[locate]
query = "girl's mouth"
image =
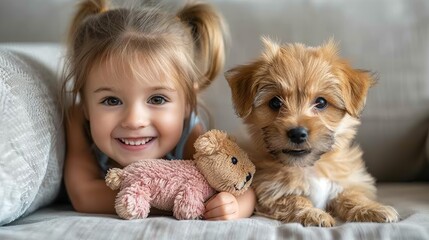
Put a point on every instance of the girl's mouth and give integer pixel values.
(135, 141)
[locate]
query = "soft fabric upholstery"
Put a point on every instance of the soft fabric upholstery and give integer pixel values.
(31, 135)
(61, 222)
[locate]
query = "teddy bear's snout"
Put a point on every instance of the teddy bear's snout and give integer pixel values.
(248, 177)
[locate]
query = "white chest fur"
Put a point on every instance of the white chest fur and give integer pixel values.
(322, 190)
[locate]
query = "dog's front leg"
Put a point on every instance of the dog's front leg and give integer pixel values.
(295, 208)
(354, 206)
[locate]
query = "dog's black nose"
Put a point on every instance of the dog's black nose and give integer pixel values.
(297, 135)
(248, 177)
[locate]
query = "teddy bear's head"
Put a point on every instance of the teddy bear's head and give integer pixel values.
(223, 163)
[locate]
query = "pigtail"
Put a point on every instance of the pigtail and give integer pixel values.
(208, 32)
(85, 8)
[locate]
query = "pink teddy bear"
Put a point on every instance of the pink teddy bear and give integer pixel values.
(182, 186)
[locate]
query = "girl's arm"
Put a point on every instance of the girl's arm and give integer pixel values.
(85, 186)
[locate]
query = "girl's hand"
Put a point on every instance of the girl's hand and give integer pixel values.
(222, 206)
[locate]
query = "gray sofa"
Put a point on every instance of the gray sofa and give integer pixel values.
(388, 37)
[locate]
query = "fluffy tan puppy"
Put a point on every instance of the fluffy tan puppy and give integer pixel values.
(301, 106)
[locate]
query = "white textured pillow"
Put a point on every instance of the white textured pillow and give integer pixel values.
(31, 134)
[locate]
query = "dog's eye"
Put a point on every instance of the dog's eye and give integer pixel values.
(234, 160)
(275, 103)
(321, 103)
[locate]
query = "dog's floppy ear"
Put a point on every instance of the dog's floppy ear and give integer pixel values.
(242, 82)
(354, 82)
(355, 85)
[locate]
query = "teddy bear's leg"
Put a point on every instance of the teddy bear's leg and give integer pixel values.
(133, 202)
(188, 204)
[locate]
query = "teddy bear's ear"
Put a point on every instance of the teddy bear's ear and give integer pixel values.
(209, 142)
(203, 145)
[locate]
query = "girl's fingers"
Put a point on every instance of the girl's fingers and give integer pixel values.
(222, 212)
(219, 200)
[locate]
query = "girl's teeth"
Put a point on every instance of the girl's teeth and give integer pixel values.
(135, 143)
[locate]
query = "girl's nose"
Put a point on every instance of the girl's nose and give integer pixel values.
(136, 117)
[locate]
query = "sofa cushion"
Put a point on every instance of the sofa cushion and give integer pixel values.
(31, 135)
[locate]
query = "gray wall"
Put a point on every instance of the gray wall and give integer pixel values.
(34, 20)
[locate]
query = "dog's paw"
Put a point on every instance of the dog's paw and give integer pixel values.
(315, 217)
(375, 213)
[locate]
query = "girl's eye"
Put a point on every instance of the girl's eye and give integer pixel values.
(234, 160)
(157, 100)
(275, 103)
(321, 103)
(111, 101)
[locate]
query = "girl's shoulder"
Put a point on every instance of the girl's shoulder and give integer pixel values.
(194, 126)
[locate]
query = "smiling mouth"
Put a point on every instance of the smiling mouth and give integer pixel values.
(136, 141)
(296, 153)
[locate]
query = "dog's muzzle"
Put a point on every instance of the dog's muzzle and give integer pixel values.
(297, 135)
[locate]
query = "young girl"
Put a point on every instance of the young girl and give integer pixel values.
(133, 75)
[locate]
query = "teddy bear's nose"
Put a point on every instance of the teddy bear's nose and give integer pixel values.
(249, 176)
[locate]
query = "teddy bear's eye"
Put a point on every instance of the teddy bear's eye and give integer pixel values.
(234, 160)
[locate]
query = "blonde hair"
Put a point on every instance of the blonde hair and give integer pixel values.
(189, 44)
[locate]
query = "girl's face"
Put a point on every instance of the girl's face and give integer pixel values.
(133, 119)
